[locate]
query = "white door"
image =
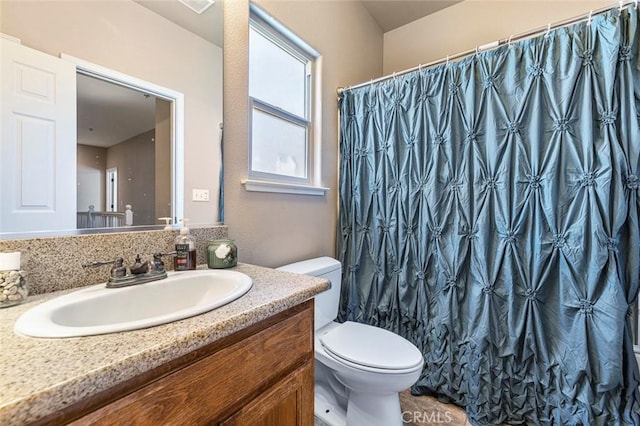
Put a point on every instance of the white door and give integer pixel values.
(38, 146)
(112, 190)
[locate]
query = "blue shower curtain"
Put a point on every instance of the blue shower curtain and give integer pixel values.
(489, 212)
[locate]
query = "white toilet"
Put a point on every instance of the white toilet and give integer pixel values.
(359, 369)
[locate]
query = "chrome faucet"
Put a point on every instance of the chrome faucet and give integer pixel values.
(138, 273)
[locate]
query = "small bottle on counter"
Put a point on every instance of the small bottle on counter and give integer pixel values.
(185, 245)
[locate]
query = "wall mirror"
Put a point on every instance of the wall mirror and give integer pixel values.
(167, 43)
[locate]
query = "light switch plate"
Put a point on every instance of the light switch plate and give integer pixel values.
(200, 195)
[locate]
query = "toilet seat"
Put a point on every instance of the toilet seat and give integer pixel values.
(371, 348)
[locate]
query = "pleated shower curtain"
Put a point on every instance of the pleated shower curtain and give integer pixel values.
(489, 212)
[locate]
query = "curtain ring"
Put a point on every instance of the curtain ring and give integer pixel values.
(509, 42)
(621, 3)
(548, 31)
(447, 60)
(635, 4)
(477, 50)
(590, 15)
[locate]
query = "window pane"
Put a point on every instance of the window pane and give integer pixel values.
(275, 76)
(278, 146)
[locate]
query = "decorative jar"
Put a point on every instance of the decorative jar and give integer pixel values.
(13, 283)
(222, 253)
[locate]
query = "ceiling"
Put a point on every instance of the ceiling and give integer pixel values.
(391, 14)
(96, 122)
(207, 25)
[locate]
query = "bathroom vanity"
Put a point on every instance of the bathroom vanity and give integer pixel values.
(248, 362)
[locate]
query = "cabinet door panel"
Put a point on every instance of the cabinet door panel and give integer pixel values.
(285, 404)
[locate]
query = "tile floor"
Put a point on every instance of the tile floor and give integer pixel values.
(426, 411)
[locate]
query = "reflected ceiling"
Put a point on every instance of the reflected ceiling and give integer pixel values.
(109, 113)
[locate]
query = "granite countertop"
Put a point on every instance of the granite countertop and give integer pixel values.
(41, 376)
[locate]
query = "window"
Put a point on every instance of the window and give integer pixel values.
(281, 141)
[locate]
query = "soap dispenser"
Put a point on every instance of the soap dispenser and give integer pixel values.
(185, 245)
(167, 223)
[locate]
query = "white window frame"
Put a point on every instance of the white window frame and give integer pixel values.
(271, 29)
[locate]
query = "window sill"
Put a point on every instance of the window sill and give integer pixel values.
(283, 188)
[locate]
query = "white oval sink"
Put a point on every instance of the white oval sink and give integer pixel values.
(100, 310)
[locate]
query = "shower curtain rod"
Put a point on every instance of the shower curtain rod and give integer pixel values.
(489, 46)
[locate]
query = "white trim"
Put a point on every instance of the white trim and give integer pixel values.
(316, 122)
(177, 117)
(283, 188)
(256, 12)
(10, 38)
(281, 36)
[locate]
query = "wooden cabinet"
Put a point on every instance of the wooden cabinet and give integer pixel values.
(262, 375)
(284, 404)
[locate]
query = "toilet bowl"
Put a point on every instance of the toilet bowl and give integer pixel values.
(360, 369)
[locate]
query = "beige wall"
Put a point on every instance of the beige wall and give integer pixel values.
(126, 37)
(472, 23)
(135, 160)
(273, 229)
(92, 161)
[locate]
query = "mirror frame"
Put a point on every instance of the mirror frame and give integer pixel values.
(177, 119)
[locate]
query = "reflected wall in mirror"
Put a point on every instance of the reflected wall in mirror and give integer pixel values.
(124, 155)
(159, 42)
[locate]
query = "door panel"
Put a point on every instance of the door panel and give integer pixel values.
(38, 149)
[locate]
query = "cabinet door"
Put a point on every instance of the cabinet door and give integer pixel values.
(214, 387)
(287, 403)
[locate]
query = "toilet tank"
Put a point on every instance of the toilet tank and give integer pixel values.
(327, 302)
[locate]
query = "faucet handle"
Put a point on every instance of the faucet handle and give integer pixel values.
(157, 265)
(96, 264)
(117, 271)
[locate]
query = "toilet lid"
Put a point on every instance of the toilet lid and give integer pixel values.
(371, 346)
